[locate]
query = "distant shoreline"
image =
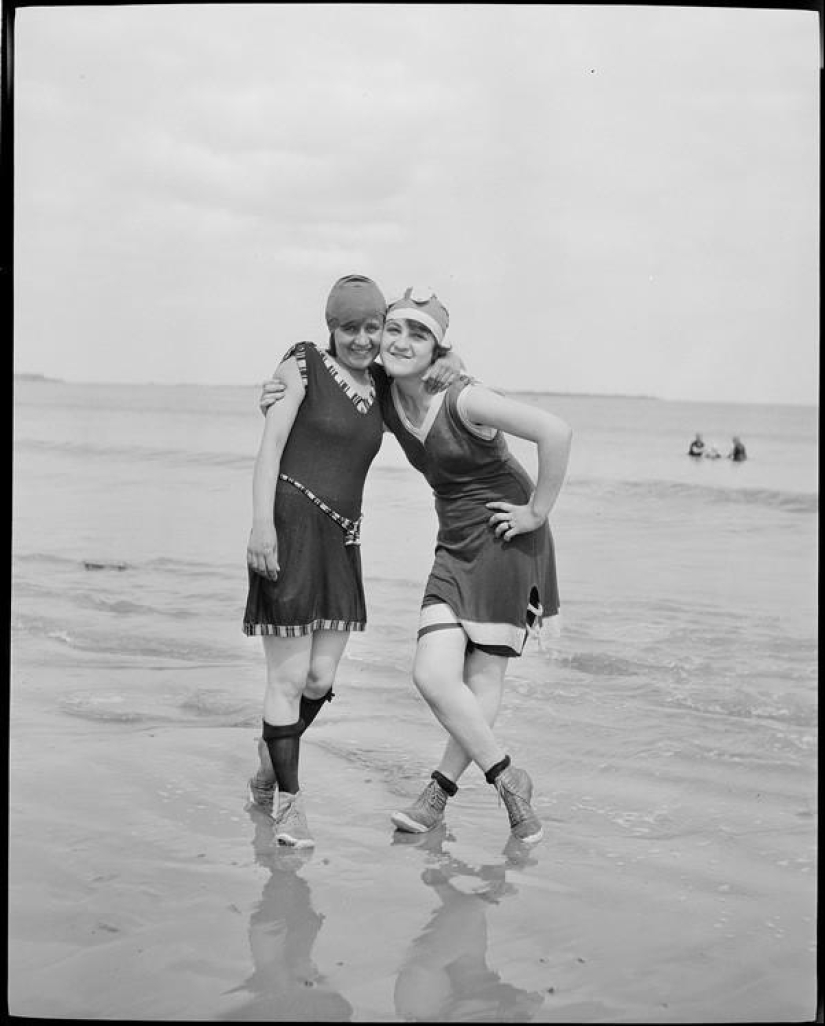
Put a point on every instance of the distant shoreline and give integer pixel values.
(197, 384)
(45, 379)
(63, 381)
(39, 377)
(593, 395)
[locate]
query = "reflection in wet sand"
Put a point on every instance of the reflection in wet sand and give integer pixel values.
(285, 985)
(445, 976)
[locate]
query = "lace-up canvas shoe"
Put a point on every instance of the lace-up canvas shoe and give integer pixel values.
(425, 813)
(261, 793)
(291, 825)
(515, 789)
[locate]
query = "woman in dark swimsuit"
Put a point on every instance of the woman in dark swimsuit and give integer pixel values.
(494, 574)
(305, 589)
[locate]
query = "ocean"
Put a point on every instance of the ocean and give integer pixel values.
(671, 707)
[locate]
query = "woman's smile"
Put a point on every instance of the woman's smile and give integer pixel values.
(406, 346)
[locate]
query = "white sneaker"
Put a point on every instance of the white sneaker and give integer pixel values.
(291, 824)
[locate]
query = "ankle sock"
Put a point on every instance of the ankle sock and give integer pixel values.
(444, 783)
(494, 771)
(284, 742)
(310, 707)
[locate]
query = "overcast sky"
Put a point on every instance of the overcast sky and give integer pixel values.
(608, 199)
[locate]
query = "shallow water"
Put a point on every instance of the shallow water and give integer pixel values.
(669, 715)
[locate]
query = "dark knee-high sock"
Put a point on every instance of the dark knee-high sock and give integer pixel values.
(449, 787)
(492, 773)
(310, 707)
(284, 743)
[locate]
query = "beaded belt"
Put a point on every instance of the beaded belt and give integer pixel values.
(351, 528)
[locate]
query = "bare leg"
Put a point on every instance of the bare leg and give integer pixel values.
(327, 650)
(484, 676)
(293, 665)
(287, 666)
(297, 667)
(438, 673)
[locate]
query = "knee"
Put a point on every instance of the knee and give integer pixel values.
(426, 678)
(318, 682)
(285, 684)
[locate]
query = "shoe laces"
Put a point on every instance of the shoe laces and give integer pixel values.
(517, 805)
(434, 796)
(286, 812)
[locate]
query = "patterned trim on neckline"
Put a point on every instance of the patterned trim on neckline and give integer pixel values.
(362, 403)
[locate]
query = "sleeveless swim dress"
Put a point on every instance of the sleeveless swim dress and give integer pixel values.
(317, 510)
(498, 591)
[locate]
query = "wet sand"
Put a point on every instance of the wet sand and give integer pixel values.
(143, 887)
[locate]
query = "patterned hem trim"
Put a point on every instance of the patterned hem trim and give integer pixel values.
(298, 630)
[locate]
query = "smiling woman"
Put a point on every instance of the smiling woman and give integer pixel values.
(305, 587)
(494, 575)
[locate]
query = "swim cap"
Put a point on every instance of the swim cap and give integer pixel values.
(423, 305)
(354, 298)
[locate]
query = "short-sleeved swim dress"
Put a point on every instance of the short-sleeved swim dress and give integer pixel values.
(497, 590)
(334, 439)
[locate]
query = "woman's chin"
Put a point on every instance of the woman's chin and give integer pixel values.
(397, 368)
(357, 361)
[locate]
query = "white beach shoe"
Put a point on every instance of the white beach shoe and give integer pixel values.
(261, 793)
(291, 824)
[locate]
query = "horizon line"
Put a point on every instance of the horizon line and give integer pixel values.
(36, 376)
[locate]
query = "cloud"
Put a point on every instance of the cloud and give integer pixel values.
(602, 191)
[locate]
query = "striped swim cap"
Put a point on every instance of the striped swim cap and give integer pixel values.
(422, 305)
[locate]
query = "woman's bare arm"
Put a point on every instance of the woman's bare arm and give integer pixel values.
(262, 549)
(552, 437)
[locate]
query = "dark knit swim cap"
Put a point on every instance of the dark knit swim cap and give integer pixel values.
(354, 298)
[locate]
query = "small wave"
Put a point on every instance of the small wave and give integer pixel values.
(789, 502)
(150, 708)
(595, 664)
(153, 454)
(105, 565)
(213, 702)
(54, 560)
(186, 567)
(779, 709)
(125, 607)
(165, 564)
(124, 644)
(599, 664)
(108, 709)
